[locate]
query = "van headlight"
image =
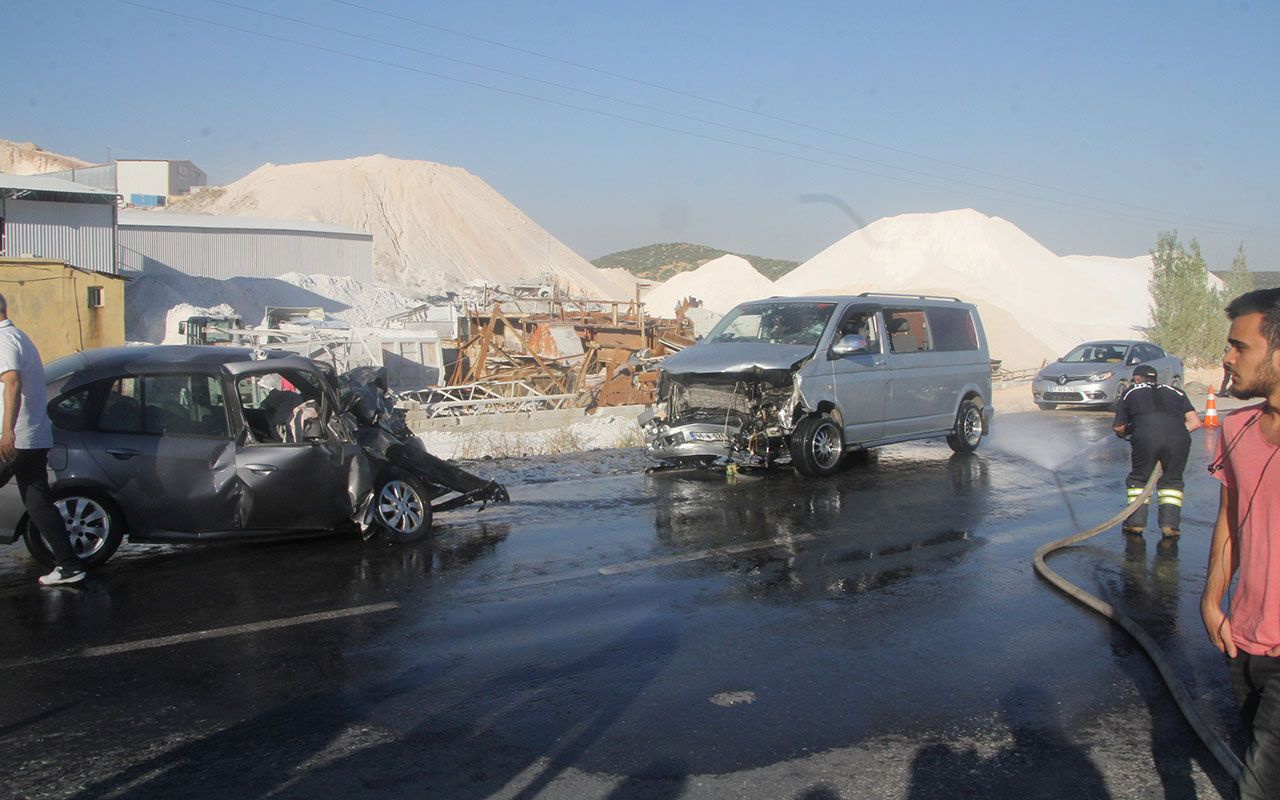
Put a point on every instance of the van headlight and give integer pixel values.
(1100, 376)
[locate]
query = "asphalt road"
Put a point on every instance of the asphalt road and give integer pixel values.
(616, 634)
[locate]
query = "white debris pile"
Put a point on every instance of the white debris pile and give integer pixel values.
(720, 284)
(1035, 304)
(156, 302)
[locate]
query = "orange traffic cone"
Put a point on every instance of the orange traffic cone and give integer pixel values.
(1211, 411)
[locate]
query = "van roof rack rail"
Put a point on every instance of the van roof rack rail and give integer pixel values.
(910, 296)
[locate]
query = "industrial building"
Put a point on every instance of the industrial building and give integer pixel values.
(45, 217)
(140, 181)
(218, 247)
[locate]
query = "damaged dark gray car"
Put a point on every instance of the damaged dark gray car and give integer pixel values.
(804, 380)
(196, 444)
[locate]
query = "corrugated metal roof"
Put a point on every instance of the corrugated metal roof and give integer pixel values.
(40, 183)
(134, 218)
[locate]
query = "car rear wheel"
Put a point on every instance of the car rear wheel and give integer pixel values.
(817, 446)
(968, 430)
(94, 528)
(401, 507)
(1176, 381)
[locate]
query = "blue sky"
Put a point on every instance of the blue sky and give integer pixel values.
(759, 127)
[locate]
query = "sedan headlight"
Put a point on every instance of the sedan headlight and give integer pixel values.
(1100, 376)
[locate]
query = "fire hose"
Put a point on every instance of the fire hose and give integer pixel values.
(1224, 754)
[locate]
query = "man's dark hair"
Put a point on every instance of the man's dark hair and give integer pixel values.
(1260, 301)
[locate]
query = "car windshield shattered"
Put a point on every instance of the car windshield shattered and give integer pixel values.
(798, 324)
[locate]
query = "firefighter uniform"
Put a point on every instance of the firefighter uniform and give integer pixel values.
(1154, 417)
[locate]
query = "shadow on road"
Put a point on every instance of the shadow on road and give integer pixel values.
(1040, 763)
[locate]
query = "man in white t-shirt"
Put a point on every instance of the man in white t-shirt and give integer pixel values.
(25, 438)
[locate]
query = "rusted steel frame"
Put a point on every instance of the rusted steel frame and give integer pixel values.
(536, 358)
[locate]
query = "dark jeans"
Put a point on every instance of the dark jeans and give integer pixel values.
(1256, 683)
(30, 469)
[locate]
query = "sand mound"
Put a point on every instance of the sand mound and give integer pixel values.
(155, 303)
(1050, 302)
(435, 228)
(720, 284)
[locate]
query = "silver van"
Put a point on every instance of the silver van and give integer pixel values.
(804, 380)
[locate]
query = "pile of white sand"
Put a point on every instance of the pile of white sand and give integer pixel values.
(155, 303)
(435, 228)
(720, 284)
(1035, 305)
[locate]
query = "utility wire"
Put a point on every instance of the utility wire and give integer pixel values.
(777, 139)
(1035, 201)
(776, 118)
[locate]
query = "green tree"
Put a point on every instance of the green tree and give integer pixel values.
(1186, 312)
(1239, 280)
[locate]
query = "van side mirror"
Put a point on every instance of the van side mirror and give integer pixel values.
(850, 344)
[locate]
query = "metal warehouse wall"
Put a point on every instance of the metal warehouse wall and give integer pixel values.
(102, 176)
(81, 234)
(229, 253)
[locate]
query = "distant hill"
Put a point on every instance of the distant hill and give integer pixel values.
(1261, 280)
(657, 262)
(25, 158)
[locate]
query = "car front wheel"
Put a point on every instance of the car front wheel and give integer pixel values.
(968, 430)
(94, 528)
(817, 446)
(401, 507)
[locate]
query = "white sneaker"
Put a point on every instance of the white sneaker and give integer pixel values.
(62, 575)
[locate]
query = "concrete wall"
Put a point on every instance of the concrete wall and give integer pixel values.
(50, 301)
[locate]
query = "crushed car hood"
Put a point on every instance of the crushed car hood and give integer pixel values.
(734, 361)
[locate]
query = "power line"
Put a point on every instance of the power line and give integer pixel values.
(1083, 211)
(655, 109)
(777, 118)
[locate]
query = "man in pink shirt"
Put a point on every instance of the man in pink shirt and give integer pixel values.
(1246, 536)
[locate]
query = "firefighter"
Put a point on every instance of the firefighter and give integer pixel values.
(1158, 419)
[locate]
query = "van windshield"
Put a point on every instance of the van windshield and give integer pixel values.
(773, 323)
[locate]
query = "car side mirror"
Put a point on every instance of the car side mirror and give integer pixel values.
(850, 344)
(1133, 360)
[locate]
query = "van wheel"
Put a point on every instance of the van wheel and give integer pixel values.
(94, 528)
(817, 446)
(968, 430)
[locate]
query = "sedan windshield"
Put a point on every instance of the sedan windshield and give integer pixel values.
(774, 323)
(1097, 353)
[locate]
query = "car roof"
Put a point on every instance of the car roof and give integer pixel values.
(1121, 342)
(89, 365)
(885, 299)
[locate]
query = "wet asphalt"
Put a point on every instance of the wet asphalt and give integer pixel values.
(617, 634)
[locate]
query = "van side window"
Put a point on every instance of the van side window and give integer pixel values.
(952, 329)
(908, 330)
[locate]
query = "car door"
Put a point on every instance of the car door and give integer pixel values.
(861, 380)
(298, 469)
(164, 445)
